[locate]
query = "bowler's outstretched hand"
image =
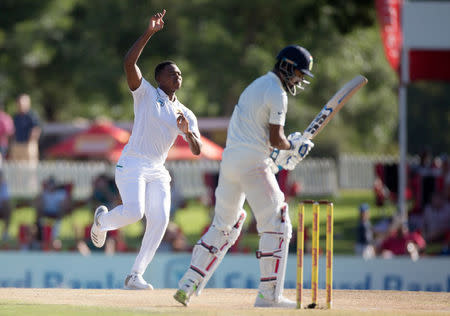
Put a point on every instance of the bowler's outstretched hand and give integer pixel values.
(156, 22)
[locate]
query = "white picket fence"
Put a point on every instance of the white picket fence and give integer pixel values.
(315, 176)
(25, 181)
(357, 171)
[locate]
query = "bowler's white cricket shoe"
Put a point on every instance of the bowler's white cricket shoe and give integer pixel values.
(268, 301)
(97, 236)
(135, 281)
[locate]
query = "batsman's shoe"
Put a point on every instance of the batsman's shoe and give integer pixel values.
(97, 236)
(265, 301)
(135, 281)
(184, 293)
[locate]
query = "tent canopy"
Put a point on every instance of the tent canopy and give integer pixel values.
(105, 141)
(180, 150)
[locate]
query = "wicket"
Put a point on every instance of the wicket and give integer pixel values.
(315, 252)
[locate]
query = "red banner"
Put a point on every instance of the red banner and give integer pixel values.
(389, 15)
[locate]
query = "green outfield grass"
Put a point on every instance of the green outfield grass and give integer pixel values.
(13, 309)
(57, 310)
(195, 217)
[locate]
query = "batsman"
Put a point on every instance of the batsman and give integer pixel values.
(256, 148)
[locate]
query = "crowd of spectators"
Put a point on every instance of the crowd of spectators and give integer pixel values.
(55, 203)
(428, 194)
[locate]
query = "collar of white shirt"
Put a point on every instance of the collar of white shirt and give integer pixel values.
(164, 96)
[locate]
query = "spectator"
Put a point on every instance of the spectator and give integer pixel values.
(177, 199)
(425, 162)
(288, 186)
(446, 246)
(174, 239)
(6, 130)
(28, 237)
(436, 218)
(104, 192)
(444, 178)
(5, 206)
(115, 242)
(53, 202)
(211, 179)
(382, 192)
(365, 237)
(27, 132)
(401, 242)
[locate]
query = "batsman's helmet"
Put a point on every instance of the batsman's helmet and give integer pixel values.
(299, 57)
(290, 58)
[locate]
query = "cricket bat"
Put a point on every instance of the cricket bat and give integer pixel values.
(328, 111)
(334, 105)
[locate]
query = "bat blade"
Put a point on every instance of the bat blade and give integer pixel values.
(334, 105)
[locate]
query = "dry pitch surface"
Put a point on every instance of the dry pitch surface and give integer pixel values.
(231, 302)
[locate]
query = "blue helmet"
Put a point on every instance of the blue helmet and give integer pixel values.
(294, 57)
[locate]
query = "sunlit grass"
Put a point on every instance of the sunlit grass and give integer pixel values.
(195, 217)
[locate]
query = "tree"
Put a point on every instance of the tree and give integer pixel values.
(68, 55)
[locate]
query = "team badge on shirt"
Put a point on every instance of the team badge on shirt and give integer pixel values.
(160, 102)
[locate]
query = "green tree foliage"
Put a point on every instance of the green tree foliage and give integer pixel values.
(68, 55)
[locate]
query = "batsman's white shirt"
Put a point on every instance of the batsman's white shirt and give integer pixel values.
(141, 177)
(264, 101)
(245, 171)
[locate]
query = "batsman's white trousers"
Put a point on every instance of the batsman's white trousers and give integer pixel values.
(145, 190)
(245, 174)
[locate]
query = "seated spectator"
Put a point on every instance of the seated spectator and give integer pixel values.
(174, 239)
(28, 237)
(294, 240)
(436, 218)
(211, 180)
(176, 196)
(104, 192)
(446, 246)
(365, 235)
(5, 206)
(53, 202)
(401, 242)
(446, 177)
(115, 242)
(289, 187)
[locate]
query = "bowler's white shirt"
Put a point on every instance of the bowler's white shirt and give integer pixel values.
(264, 101)
(155, 124)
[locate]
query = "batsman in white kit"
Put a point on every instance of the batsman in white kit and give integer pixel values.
(142, 179)
(256, 148)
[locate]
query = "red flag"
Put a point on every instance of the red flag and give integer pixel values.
(389, 15)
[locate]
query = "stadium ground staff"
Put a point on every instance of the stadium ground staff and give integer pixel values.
(141, 177)
(255, 134)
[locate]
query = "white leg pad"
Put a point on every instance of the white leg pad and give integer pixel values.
(209, 252)
(273, 252)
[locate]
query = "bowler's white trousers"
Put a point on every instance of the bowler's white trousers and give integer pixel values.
(145, 190)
